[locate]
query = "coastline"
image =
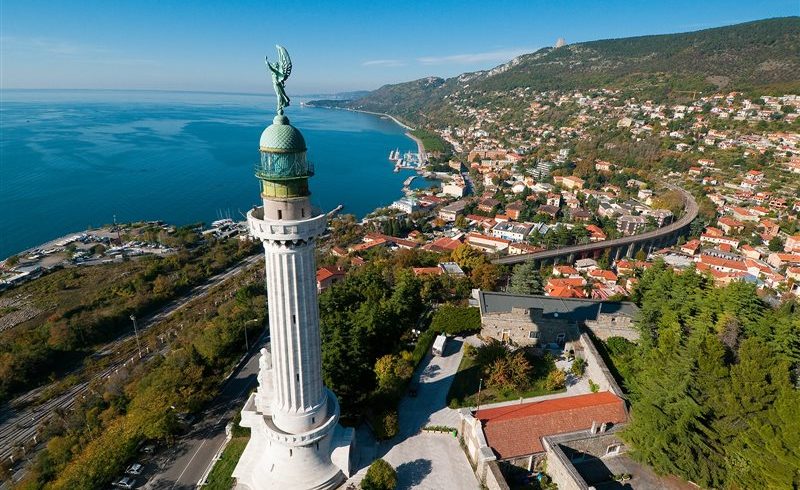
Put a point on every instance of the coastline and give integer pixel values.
(423, 156)
(420, 147)
(370, 202)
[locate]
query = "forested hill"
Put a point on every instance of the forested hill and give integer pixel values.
(760, 55)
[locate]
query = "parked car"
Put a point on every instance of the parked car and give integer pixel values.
(126, 482)
(134, 469)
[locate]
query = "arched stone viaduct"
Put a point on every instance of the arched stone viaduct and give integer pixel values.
(619, 247)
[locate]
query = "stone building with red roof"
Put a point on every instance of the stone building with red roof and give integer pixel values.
(516, 431)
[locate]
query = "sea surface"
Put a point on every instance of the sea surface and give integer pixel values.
(73, 159)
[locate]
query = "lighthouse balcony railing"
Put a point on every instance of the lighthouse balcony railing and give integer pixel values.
(309, 437)
(288, 229)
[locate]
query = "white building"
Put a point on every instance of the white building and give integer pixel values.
(456, 187)
(514, 232)
(407, 204)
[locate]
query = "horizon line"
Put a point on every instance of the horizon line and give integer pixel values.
(222, 92)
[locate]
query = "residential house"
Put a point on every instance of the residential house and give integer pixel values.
(487, 243)
(328, 276)
(691, 247)
(565, 271)
(719, 240)
(631, 225)
(514, 232)
(792, 244)
(551, 211)
(730, 225)
(596, 234)
(780, 260)
(514, 209)
(488, 205)
(580, 214)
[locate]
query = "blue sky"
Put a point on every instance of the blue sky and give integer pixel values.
(335, 45)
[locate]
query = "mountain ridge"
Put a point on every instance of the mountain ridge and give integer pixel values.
(762, 54)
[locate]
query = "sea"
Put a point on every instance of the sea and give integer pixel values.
(73, 159)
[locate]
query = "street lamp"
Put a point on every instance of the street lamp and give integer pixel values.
(246, 343)
(136, 332)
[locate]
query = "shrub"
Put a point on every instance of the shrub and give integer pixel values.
(456, 320)
(469, 350)
(424, 343)
(556, 380)
(380, 476)
(594, 387)
(385, 424)
(579, 366)
(512, 371)
(487, 354)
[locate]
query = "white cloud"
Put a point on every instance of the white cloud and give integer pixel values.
(499, 56)
(39, 47)
(389, 63)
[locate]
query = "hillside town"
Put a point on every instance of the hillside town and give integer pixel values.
(500, 201)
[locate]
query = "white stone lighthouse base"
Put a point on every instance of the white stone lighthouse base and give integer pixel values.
(273, 459)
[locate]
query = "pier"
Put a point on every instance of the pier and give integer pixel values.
(407, 184)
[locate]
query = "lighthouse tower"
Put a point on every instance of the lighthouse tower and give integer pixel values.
(296, 441)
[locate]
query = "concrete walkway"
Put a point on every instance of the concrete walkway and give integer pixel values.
(423, 459)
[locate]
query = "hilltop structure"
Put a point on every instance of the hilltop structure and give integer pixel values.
(296, 441)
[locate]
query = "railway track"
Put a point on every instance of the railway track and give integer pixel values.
(21, 418)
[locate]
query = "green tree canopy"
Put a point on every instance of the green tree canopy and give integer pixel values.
(380, 476)
(525, 279)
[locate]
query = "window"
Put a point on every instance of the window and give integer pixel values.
(302, 212)
(612, 449)
(533, 334)
(290, 453)
(280, 214)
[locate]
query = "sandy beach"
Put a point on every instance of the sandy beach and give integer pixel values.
(420, 147)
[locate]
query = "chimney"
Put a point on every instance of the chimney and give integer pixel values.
(593, 430)
(603, 427)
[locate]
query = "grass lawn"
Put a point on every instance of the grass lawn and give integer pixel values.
(464, 390)
(220, 477)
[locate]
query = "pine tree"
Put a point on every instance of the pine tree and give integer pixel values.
(767, 453)
(526, 279)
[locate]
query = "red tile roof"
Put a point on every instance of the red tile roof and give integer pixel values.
(427, 271)
(517, 430)
(444, 244)
(327, 272)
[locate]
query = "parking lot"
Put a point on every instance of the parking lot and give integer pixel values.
(429, 460)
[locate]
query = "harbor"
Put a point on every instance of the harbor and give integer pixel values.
(408, 160)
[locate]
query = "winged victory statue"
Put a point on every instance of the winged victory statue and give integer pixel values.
(280, 72)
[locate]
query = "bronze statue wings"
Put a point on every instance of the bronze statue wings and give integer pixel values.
(284, 62)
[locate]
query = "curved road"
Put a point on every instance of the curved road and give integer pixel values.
(691, 210)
